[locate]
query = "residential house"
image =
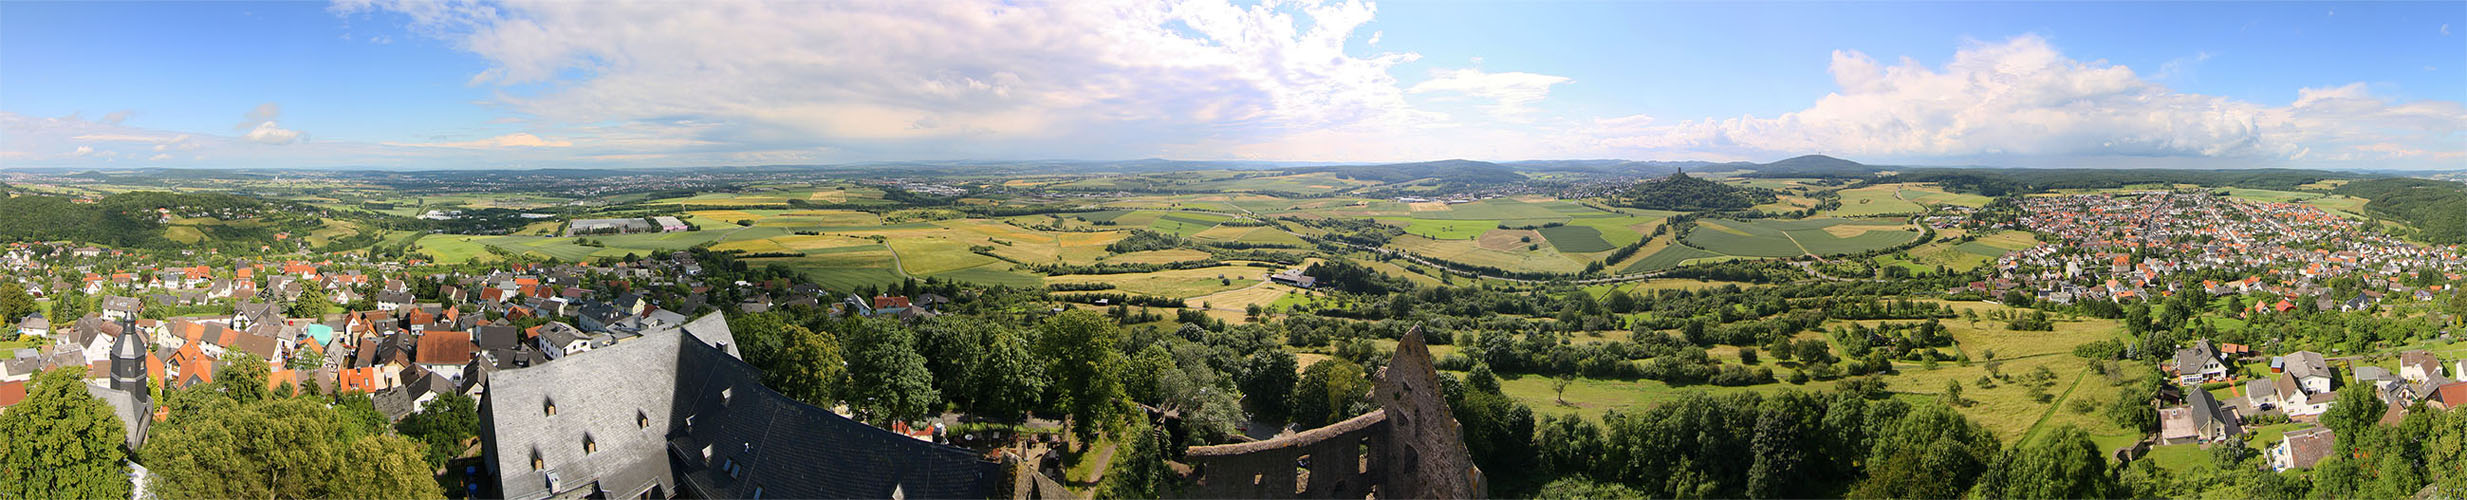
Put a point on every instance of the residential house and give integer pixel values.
(2311, 370)
(2201, 420)
(558, 340)
(253, 313)
(34, 325)
(2301, 449)
(393, 300)
(2419, 366)
(444, 352)
(2376, 376)
(2199, 363)
(118, 308)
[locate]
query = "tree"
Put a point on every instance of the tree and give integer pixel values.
(14, 303)
(311, 304)
(61, 442)
(70, 306)
(1329, 391)
(1931, 452)
(2065, 465)
(1008, 379)
(1086, 370)
(1560, 386)
(808, 366)
(1267, 380)
(443, 425)
(1953, 393)
(280, 448)
(887, 379)
(1138, 470)
(2355, 413)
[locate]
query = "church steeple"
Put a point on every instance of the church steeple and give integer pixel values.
(128, 363)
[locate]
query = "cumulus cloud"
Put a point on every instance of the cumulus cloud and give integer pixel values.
(259, 126)
(116, 117)
(1513, 93)
(2023, 97)
(875, 75)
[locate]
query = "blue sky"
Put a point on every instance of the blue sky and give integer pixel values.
(547, 83)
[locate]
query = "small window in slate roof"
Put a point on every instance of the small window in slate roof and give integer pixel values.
(536, 463)
(724, 393)
(548, 406)
(589, 445)
(642, 420)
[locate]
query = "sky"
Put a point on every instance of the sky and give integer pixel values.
(518, 84)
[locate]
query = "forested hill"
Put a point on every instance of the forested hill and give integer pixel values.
(2004, 181)
(1683, 193)
(2438, 209)
(134, 219)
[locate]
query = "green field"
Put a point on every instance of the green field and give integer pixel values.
(1874, 200)
(1791, 238)
(1576, 239)
(1445, 229)
(1669, 257)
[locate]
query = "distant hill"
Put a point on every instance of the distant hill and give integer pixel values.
(1688, 194)
(2438, 209)
(1442, 171)
(1814, 166)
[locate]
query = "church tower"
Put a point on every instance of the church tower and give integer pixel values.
(128, 366)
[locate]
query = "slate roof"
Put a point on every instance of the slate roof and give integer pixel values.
(632, 403)
(759, 439)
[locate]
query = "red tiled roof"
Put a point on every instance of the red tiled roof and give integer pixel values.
(12, 393)
(438, 348)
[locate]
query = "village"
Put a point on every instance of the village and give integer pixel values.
(346, 325)
(2296, 388)
(2144, 246)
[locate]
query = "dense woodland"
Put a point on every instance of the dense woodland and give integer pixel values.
(2437, 209)
(1685, 193)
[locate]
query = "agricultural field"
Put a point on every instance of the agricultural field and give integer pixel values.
(1521, 250)
(2006, 409)
(1178, 283)
(1879, 199)
(1791, 238)
(1960, 256)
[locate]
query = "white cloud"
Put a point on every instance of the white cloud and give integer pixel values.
(259, 126)
(159, 157)
(269, 133)
(901, 78)
(2022, 97)
(116, 117)
(82, 151)
(1513, 93)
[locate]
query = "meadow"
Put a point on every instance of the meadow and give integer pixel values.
(1791, 238)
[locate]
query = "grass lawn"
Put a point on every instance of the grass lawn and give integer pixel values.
(2180, 457)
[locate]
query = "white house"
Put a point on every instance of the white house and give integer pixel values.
(2418, 366)
(2311, 370)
